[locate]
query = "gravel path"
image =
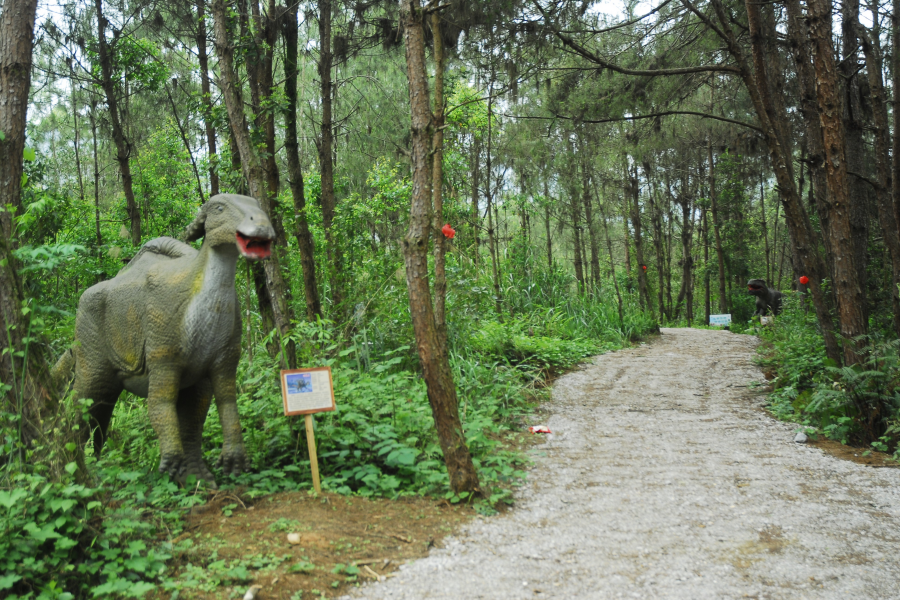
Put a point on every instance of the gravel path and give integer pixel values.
(663, 479)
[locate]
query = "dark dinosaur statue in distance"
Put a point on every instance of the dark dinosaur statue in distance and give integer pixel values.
(168, 328)
(766, 297)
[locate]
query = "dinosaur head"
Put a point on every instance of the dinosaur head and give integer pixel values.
(234, 219)
(757, 287)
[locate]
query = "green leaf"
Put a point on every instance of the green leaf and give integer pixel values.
(8, 499)
(71, 468)
(29, 154)
(7, 581)
(43, 534)
(138, 589)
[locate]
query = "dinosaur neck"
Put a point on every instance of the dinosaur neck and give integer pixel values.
(218, 267)
(210, 317)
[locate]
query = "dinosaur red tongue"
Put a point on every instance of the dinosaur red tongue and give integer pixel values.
(254, 248)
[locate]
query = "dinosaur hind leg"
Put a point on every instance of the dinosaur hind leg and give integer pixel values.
(193, 405)
(101, 412)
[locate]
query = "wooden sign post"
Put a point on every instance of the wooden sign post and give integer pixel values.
(305, 392)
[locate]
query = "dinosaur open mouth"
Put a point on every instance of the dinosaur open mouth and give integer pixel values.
(253, 247)
(753, 288)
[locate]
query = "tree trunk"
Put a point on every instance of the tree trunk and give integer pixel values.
(326, 158)
(576, 240)
(765, 228)
(476, 212)
(889, 225)
(96, 177)
(492, 237)
(856, 153)
(26, 388)
(255, 174)
(547, 225)
(707, 304)
(895, 80)
(206, 100)
(847, 285)
(295, 172)
(723, 306)
(685, 294)
(437, 182)
(656, 224)
(798, 34)
(643, 288)
(434, 357)
(591, 227)
(123, 148)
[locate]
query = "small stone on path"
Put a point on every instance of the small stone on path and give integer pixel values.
(800, 438)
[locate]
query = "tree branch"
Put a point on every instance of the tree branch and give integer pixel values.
(594, 58)
(647, 116)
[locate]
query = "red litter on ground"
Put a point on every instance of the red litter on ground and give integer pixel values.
(539, 429)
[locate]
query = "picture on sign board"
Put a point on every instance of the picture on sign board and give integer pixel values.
(307, 391)
(299, 383)
(720, 319)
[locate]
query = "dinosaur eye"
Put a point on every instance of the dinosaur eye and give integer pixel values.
(220, 208)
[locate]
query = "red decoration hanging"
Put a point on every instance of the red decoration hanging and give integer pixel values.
(804, 280)
(448, 231)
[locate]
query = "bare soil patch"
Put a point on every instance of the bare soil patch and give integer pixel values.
(340, 542)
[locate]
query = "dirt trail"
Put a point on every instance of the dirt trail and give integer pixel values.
(663, 479)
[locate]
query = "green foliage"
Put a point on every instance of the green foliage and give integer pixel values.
(858, 404)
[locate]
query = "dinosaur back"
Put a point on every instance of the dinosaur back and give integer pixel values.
(159, 248)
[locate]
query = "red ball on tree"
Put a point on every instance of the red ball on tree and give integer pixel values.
(448, 231)
(804, 280)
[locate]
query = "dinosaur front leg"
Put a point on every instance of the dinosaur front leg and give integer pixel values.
(161, 406)
(193, 404)
(233, 458)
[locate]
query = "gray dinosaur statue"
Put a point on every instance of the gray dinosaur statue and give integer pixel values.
(766, 297)
(167, 328)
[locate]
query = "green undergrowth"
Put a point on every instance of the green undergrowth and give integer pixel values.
(111, 534)
(827, 399)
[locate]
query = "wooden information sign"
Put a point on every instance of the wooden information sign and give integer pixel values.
(308, 391)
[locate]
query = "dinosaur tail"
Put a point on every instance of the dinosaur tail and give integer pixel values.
(63, 370)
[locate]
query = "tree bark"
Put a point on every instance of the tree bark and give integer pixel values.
(895, 80)
(547, 225)
(492, 234)
(437, 182)
(326, 158)
(848, 290)
(96, 177)
(206, 100)
(798, 35)
(255, 174)
(295, 172)
(123, 148)
(26, 388)
(723, 305)
(643, 289)
(889, 225)
(434, 357)
(591, 226)
(856, 153)
(658, 241)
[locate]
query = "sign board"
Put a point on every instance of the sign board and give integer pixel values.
(766, 321)
(307, 391)
(720, 319)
